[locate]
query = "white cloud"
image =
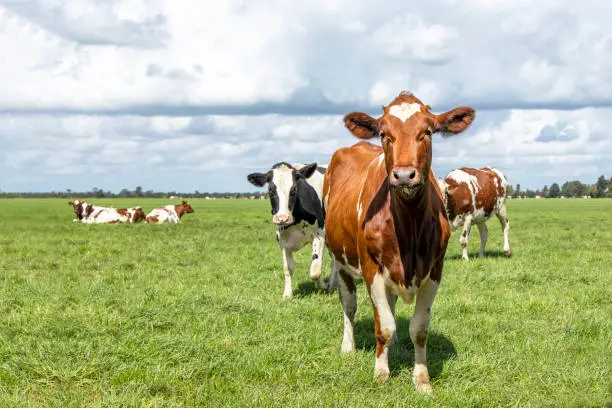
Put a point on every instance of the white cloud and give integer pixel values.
(169, 90)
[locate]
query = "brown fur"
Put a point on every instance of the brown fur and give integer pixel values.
(405, 233)
(459, 196)
(138, 215)
(183, 208)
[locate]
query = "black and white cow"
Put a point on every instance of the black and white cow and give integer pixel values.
(297, 212)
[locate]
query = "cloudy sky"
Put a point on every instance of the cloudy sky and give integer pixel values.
(195, 94)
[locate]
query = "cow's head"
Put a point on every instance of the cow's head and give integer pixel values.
(405, 130)
(187, 207)
(283, 180)
(80, 208)
(136, 214)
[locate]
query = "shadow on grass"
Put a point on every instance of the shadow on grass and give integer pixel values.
(308, 288)
(401, 355)
(488, 254)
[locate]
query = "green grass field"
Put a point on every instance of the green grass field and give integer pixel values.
(192, 314)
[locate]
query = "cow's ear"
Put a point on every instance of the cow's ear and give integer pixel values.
(71, 203)
(258, 179)
(308, 170)
(361, 125)
(456, 120)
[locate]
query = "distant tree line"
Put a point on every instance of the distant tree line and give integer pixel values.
(602, 188)
(138, 192)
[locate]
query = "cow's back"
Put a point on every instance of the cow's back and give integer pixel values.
(475, 192)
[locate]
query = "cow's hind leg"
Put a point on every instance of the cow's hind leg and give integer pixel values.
(465, 235)
(347, 292)
(288, 267)
(483, 231)
(384, 322)
(419, 327)
(505, 225)
(332, 284)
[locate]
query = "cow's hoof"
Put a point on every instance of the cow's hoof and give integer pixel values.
(508, 253)
(347, 348)
(425, 389)
(315, 271)
(381, 376)
(420, 378)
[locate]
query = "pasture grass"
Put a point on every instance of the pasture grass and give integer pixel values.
(192, 314)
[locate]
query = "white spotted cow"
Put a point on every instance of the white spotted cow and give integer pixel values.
(92, 214)
(472, 196)
(170, 213)
(297, 212)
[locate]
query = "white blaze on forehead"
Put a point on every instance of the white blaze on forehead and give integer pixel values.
(404, 111)
(282, 177)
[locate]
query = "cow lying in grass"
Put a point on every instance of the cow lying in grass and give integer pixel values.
(88, 213)
(169, 213)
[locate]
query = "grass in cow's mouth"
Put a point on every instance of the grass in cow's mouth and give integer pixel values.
(192, 314)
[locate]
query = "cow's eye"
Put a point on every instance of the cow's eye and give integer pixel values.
(428, 132)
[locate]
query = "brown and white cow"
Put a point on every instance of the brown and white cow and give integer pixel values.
(386, 221)
(92, 214)
(472, 196)
(169, 213)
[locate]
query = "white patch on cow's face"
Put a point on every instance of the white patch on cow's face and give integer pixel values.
(282, 177)
(404, 111)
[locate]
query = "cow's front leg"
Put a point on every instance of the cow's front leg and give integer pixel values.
(384, 323)
(288, 267)
(318, 245)
(419, 327)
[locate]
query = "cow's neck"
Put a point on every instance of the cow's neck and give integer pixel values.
(180, 210)
(409, 218)
(412, 208)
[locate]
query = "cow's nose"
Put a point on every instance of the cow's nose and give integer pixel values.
(281, 219)
(406, 177)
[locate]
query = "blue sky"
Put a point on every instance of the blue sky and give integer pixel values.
(193, 95)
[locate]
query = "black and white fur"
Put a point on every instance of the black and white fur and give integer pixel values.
(297, 212)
